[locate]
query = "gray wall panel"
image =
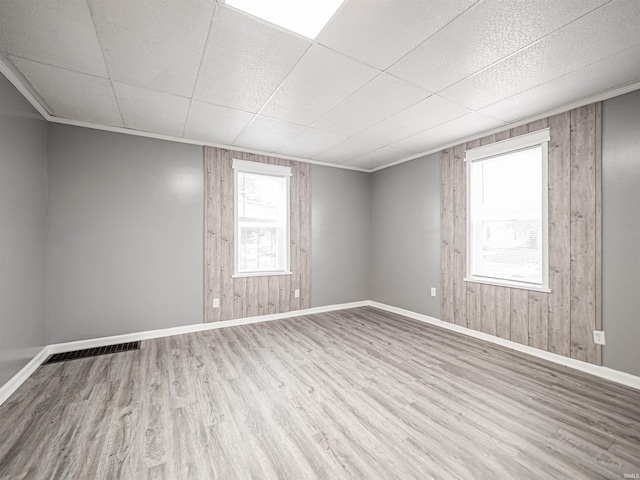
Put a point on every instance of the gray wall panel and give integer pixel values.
(405, 226)
(23, 197)
(125, 245)
(340, 246)
(621, 232)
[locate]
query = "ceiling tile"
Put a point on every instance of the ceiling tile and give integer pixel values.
(267, 134)
(156, 48)
(216, 124)
(445, 133)
(605, 32)
(379, 32)
(309, 143)
(59, 33)
(322, 79)
(617, 70)
(347, 150)
(72, 95)
(379, 157)
(152, 111)
(246, 61)
(483, 35)
(426, 114)
(382, 97)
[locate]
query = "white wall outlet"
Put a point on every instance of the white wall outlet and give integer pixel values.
(296, 293)
(598, 337)
(216, 303)
(433, 291)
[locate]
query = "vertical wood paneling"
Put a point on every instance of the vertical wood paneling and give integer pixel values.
(305, 235)
(560, 321)
(560, 234)
(225, 262)
(212, 222)
(598, 226)
(459, 234)
(539, 320)
(447, 206)
(503, 312)
(583, 241)
(488, 309)
(250, 296)
(519, 315)
(474, 306)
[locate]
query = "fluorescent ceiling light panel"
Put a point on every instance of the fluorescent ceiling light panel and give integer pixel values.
(306, 17)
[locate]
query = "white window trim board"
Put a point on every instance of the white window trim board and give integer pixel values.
(521, 142)
(261, 169)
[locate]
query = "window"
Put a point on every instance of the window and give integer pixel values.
(507, 212)
(261, 210)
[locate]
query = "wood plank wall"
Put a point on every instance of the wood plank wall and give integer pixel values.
(562, 321)
(250, 296)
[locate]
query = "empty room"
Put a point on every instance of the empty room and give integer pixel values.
(319, 239)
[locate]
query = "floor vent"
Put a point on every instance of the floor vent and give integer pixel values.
(92, 352)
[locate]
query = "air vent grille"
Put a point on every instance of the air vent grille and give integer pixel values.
(92, 352)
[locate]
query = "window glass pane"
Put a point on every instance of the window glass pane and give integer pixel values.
(262, 222)
(506, 216)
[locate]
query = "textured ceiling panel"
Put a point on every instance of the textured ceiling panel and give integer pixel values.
(59, 33)
(604, 32)
(267, 134)
(152, 111)
(483, 35)
(466, 126)
(309, 143)
(246, 61)
(321, 80)
(618, 70)
(379, 32)
(426, 114)
(379, 157)
(72, 94)
(347, 150)
(210, 73)
(382, 97)
(157, 48)
(215, 124)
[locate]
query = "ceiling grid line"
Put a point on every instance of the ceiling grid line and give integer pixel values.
(107, 63)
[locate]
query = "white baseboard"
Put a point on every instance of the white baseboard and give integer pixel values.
(19, 378)
(602, 372)
(199, 327)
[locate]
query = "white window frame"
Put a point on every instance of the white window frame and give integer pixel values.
(261, 169)
(539, 138)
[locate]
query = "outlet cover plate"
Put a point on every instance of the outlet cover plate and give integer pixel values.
(598, 337)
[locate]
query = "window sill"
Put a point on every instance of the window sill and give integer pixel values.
(505, 283)
(259, 274)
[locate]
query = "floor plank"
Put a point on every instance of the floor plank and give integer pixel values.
(359, 393)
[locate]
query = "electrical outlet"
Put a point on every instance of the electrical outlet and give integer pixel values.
(433, 291)
(598, 337)
(296, 293)
(216, 303)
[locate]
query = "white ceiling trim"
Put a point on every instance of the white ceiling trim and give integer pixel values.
(35, 102)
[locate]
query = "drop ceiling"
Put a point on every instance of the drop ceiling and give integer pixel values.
(385, 80)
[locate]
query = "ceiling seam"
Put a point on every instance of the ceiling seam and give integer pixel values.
(105, 58)
(205, 52)
(525, 47)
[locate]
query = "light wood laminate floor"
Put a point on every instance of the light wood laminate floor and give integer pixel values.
(357, 393)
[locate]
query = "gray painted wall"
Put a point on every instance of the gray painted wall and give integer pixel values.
(621, 232)
(340, 236)
(405, 228)
(125, 241)
(23, 207)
